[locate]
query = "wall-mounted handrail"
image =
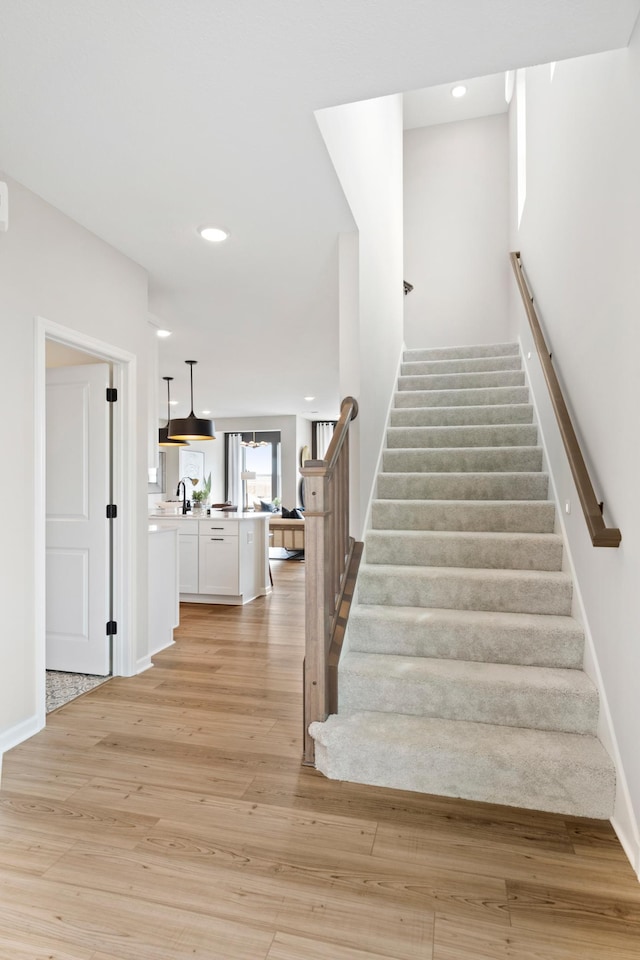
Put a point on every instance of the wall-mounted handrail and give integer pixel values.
(331, 561)
(601, 535)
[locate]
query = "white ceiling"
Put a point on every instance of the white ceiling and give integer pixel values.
(143, 119)
(485, 97)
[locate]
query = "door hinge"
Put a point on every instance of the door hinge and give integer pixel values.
(112, 628)
(112, 394)
(112, 511)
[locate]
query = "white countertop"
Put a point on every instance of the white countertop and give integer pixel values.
(215, 515)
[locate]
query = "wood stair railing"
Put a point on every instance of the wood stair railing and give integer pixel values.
(601, 535)
(332, 558)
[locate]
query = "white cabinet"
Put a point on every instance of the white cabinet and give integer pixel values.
(188, 564)
(163, 606)
(221, 560)
(218, 557)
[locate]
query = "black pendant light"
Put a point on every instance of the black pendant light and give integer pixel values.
(163, 432)
(191, 427)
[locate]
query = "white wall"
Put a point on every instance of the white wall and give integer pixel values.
(364, 141)
(52, 267)
(456, 232)
(580, 242)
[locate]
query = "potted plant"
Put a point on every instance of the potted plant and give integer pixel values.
(201, 497)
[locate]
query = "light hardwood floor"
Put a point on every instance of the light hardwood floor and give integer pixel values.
(167, 817)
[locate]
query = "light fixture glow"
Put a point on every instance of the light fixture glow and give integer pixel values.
(309, 399)
(459, 91)
(213, 234)
(206, 412)
(253, 442)
(163, 333)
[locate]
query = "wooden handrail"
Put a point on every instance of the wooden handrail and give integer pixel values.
(331, 561)
(601, 535)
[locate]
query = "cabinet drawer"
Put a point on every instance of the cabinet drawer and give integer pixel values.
(218, 528)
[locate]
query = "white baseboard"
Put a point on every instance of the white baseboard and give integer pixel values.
(627, 834)
(144, 663)
(17, 734)
(163, 646)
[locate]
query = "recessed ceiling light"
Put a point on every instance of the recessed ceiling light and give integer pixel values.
(163, 333)
(213, 234)
(206, 412)
(309, 399)
(173, 403)
(459, 91)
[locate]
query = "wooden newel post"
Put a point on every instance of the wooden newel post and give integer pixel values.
(326, 497)
(316, 599)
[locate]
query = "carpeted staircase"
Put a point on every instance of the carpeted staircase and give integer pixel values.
(462, 669)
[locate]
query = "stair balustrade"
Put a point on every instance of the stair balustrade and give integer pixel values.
(332, 558)
(601, 535)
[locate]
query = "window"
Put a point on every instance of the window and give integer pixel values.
(264, 461)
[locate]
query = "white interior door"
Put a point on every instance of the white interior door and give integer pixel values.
(78, 537)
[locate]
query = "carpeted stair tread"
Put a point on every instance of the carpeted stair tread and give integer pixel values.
(462, 381)
(461, 353)
(458, 397)
(462, 459)
(453, 548)
(476, 435)
(466, 588)
(461, 416)
(508, 516)
(562, 773)
(542, 698)
(492, 636)
(462, 668)
(463, 486)
(460, 365)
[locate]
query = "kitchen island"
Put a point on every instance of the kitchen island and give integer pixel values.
(223, 558)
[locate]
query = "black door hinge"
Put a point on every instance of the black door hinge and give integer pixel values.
(112, 628)
(112, 511)
(112, 394)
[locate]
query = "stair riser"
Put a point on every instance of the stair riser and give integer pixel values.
(447, 699)
(421, 368)
(462, 381)
(455, 486)
(403, 587)
(433, 636)
(509, 517)
(460, 552)
(462, 416)
(462, 353)
(465, 459)
(442, 764)
(517, 435)
(457, 398)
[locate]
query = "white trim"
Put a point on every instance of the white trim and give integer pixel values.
(144, 663)
(20, 732)
(623, 820)
(383, 444)
(124, 490)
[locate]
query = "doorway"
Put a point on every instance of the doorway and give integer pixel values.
(69, 348)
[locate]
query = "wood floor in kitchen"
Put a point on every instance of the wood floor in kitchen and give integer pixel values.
(167, 817)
